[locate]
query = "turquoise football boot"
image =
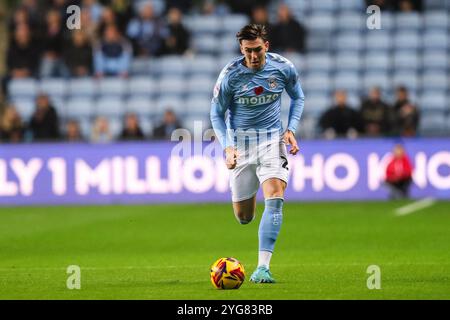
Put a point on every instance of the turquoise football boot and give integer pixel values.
(262, 275)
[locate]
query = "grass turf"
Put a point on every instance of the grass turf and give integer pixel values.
(165, 251)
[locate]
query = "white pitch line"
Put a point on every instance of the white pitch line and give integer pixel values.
(415, 206)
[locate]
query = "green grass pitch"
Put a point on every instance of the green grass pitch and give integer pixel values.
(165, 251)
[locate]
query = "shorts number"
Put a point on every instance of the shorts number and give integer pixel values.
(285, 162)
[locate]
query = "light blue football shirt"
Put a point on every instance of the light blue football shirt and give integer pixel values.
(253, 97)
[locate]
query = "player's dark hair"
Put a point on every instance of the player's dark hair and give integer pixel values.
(252, 32)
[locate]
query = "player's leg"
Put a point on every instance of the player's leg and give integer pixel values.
(273, 174)
(245, 210)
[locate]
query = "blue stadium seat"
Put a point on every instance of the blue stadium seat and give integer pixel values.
(436, 20)
(350, 41)
(203, 85)
(319, 83)
(147, 125)
(142, 106)
(201, 24)
(435, 60)
(158, 5)
(409, 79)
(348, 81)
(435, 40)
(315, 105)
(406, 60)
(23, 88)
(82, 87)
(25, 107)
(205, 44)
(140, 66)
(322, 62)
(142, 86)
(110, 106)
(376, 79)
(170, 102)
(435, 80)
(228, 44)
(321, 22)
(409, 21)
(197, 104)
(171, 66)
(202, 65)
(387, 22)
(378, 61)
(351, 21)
(348, 61)
(59, 104)
(54, 87)
(191, 122)
(85, 127)
(233, 22)
(172, 86)
(223, 60)
(377, 40)
(113, 86)
(433, 124)
(115, 126)
(298, 59)
(80, 107)
(323, 6)
(350, 5)
(432, 101)
(407, 40)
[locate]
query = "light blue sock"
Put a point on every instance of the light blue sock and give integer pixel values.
(270, 224)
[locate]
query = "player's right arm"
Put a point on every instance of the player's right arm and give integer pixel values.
(220, 103)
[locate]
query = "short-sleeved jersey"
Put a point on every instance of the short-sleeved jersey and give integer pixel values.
(253, 97)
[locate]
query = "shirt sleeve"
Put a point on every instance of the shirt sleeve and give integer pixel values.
(220, 103)
(295, 92)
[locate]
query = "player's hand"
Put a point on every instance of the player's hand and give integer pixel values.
(231, 157)
(289, 139)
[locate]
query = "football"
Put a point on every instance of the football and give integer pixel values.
(227, 273)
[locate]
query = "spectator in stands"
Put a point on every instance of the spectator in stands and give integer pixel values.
(108, 18)
(52, 44)
(376, 115)
(123, 11)
(23, 54)
(407, 115)
(408, 5)
(11, 125)
(147, 32)
(177, 41)
(340, 120)
(399, 173)
(131, 130)
(260, 15)
(89, 27)
(77, 55)
(112, 56)
(95, 9)
(288, 34)
(168, 125)
(21, 17)
(182, 5)
(383, 4)
(44, 123)
(73, 132)
(246, 6)
(100, 132)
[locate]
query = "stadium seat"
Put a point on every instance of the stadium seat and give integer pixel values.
(233, 22)
(348, 61)
(348, 81)
(170, 102)
(85, 127)
(321, 22)
(433, 101)
(229, 44)
(298, 59)
(315, 105)
(319, 83)
(387, 22)
(378, 61)
(142, 106)
(142, 86)
(191, 122)
(59, 104)
(378, 40)
(323, 6)
(202, 65)
(406, 60)
(351, 21)
(54, 87)
(435, 60)
(112, 86)
(205, 44)
(80, 107)
(435, 80)
(171, 66)
(407, 40)
(376, 79)
(80, 87)
(433, 124)
(436, 40)
(197, 104)
(140, 66)
(203, 85)
(172, 86)
(409, 79)
(350, 5)
(438, 20)
(409, 21)
(350, 41)
(319, 62)
(110, 106)
(147, 125)
(25, 107)
(22, 88)
(203, 24)
(115, 126)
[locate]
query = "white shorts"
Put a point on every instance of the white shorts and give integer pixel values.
(256, 164)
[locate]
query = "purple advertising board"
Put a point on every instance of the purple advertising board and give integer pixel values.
(126, 173)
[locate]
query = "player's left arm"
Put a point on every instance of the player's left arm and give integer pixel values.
(295, 92)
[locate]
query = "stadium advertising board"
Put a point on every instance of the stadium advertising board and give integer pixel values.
(150, 173)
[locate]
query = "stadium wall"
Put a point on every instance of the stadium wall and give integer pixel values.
(166, 172)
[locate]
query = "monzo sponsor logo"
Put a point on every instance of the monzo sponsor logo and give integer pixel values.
(255, 101)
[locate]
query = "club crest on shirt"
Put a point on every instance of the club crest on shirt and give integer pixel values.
(272, 82)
